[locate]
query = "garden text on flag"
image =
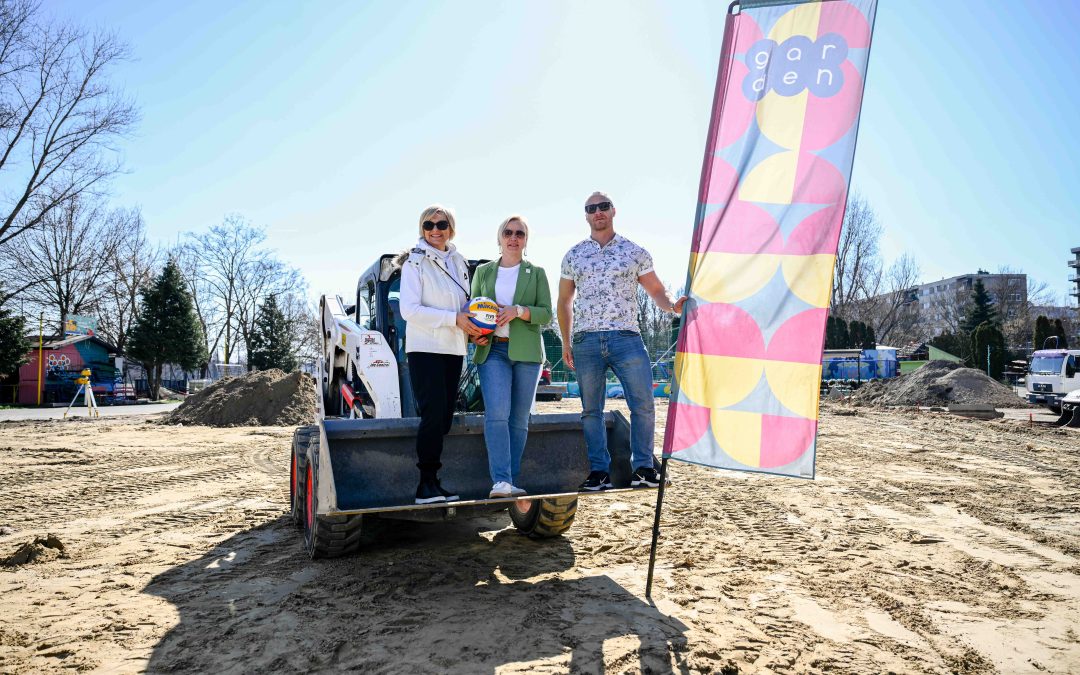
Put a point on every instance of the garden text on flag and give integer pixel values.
(773, 189)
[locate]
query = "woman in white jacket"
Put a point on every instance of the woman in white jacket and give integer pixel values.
(434, 298)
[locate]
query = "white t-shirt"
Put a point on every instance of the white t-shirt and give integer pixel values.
(505, 285)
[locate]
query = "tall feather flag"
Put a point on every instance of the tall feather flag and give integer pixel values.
(774, 186)
(773, 190)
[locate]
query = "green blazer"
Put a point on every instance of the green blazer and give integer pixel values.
(533, 292)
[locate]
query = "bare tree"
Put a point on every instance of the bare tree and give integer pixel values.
(224, 253)
(858, 262)
(891, 307)
(230, 273)
(304, 326)
(130, 269)
(261, 278)
(188, 260)
(59, 115)
(61, 262)
(654, 324)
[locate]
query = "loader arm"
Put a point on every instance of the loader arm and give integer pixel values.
(359, 369)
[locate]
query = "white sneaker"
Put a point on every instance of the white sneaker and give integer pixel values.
(515, 491)
(500, 490)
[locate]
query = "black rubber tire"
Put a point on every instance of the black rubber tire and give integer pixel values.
(298, 470)
(545, 518)
(326, 536)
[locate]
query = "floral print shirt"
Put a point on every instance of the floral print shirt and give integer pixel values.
(606, 280)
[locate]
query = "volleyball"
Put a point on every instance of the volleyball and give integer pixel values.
(482, 312)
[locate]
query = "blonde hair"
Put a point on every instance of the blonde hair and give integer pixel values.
(430, 211)
(502, 226)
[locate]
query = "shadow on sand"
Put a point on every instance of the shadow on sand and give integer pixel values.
(466, 596)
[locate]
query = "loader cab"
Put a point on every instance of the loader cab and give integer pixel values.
(377, 308)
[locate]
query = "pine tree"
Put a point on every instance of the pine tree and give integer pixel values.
(1043, 330)
(168, 330)
(988, 349)
(1059, 330)
(14, 344)
(981, 311)
(272, 339)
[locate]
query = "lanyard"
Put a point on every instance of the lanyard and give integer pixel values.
(468, 296)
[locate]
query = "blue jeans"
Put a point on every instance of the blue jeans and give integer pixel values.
(509, 388)
(624, 351)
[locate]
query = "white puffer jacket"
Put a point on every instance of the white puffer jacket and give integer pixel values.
(430, 299)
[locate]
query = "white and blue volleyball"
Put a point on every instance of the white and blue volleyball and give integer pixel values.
(483, 312)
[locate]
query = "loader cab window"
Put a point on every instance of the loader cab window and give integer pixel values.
(364, 316)
(397, 322)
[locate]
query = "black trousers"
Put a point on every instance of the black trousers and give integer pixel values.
(434, 380)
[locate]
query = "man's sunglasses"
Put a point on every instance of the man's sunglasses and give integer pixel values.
(603, 206)
(442, 225)
(520, 234)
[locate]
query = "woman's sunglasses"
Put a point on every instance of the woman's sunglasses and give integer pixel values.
(603, 206)
(442, 225)
(520, 234)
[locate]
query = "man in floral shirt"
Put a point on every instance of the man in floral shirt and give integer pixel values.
(598, 318)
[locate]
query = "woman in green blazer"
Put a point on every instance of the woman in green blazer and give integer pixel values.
(509, 360)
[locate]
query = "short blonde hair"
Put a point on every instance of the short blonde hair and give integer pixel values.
(430, 211)
(502, 226)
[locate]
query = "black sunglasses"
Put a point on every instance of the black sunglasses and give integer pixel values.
(510, 233)
(442, 225)
(603, 206)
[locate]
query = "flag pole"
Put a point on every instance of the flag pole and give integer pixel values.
(656, 526)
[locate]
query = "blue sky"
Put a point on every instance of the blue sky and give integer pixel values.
(333, 124)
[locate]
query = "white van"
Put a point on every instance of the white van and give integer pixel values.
(1051, 374)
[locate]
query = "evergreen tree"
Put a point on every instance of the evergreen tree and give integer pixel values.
(861, 336)
(1043, 330)
(1059, 330)
(980, 311)
(988, 349)
(272, 339)
(836, 333)
(168, 330)
(14, 344)
(855, 334)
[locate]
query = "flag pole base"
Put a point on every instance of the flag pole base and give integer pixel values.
(656, 527)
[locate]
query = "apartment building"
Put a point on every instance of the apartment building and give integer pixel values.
(942, 304)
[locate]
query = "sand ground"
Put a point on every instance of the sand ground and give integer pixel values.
(928, 543)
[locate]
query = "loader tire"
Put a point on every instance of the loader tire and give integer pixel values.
(544, 518)
(327, 536)
(298, 470)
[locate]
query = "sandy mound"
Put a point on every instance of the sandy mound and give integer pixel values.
(264, 398)
(939, 383)
(42, 549)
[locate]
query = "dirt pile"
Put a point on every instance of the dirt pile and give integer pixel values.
(42, 549)
(263, 398)
(939, 383)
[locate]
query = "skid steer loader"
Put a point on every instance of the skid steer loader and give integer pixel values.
(358, 462)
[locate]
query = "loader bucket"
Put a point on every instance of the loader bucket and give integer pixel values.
(1075, 420)
(373, 461)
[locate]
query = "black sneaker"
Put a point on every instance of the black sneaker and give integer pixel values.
(450, 496)
(428, 492)
(645, 477)
(597, 480)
